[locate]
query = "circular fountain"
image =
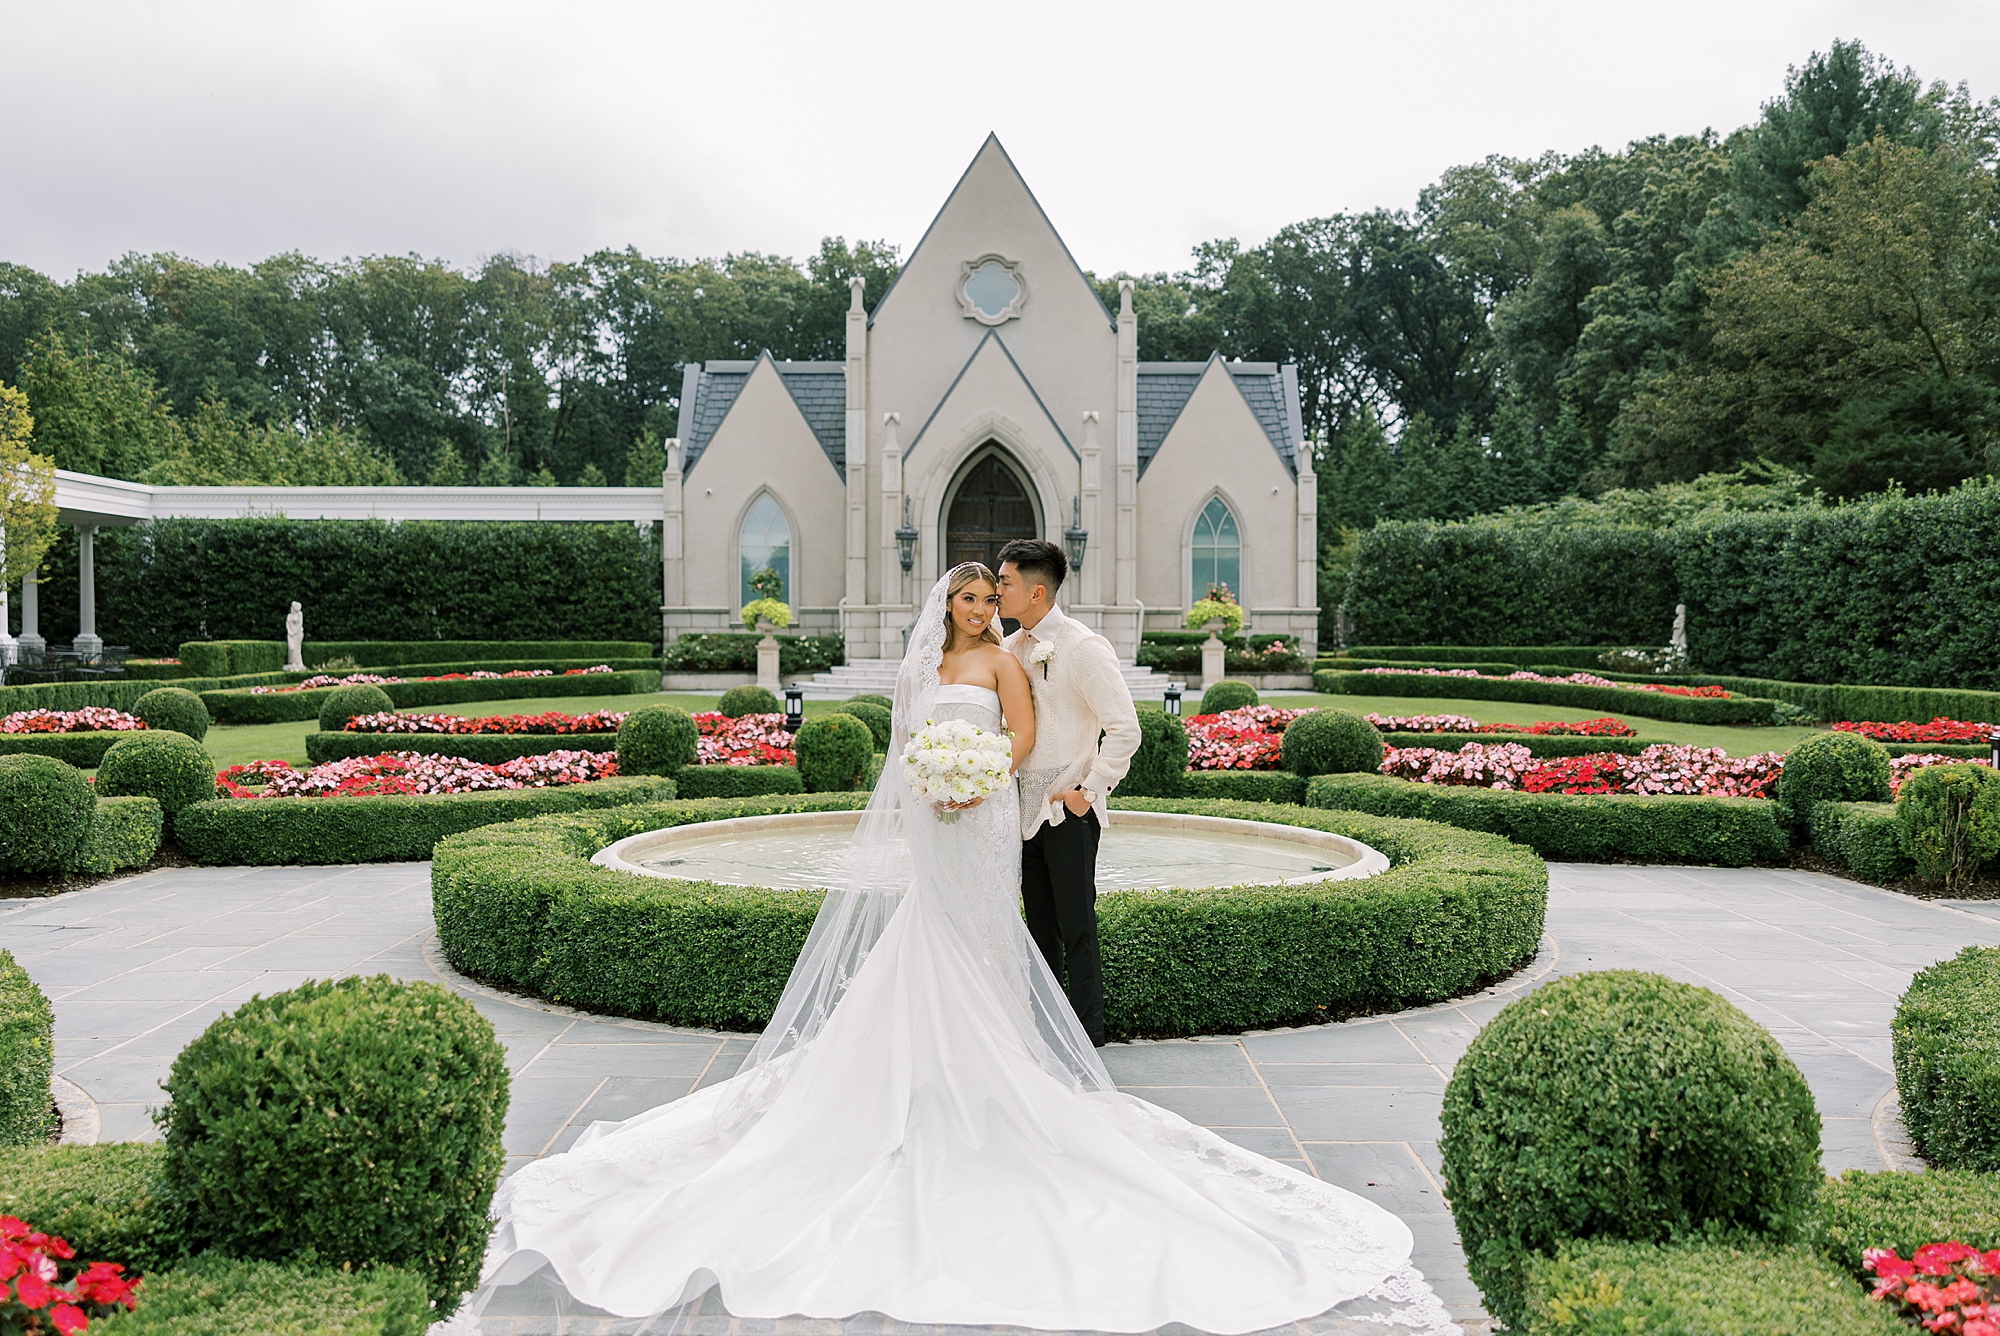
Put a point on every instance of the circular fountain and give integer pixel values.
(1140, 851)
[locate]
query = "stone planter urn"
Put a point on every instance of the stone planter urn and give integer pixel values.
(767, 658)
(1211, 653)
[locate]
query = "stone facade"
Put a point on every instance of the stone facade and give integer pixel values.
(989, 394)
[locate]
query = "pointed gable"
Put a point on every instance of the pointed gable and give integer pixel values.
(802, 400)
(1269, 391)
(991, 384)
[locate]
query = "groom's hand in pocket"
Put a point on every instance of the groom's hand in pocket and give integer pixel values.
(1074, 800)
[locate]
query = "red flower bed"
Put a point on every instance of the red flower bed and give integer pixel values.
(90, 719)
(554, 722)
(33, 1297)
(1709, 693)
(754, 739)
(411, 773)
(1606, 727)
(1249, 738)
(1660, 769)
(1568, 679)
(1945, 1287)
(1939, 729)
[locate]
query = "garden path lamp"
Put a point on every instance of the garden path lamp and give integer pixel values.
(1171, 698)
(906, 539)
(1076, 538)
(1994, 742)
(795, 709)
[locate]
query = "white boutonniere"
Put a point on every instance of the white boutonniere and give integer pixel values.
(1044, 651)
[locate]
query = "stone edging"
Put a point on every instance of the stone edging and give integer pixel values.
(81, 1124)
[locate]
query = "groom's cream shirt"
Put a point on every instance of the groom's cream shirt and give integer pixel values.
(1079, 694)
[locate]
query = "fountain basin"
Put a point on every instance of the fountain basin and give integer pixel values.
(1140, 851)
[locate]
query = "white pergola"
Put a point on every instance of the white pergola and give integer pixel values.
(88, 503)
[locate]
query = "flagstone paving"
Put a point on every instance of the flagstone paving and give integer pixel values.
(137, 968)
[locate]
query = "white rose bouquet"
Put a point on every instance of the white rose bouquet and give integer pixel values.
(955, 762)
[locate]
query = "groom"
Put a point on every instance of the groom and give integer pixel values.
(1080, 696)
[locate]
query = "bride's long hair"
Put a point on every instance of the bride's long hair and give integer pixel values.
(957, 578)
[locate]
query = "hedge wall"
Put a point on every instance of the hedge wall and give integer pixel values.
(247, 707)
(1946, 1039)
(1612, 700)
(1865, 838)
(520, 905)
(737, 781)
(379, 830)
(486, 748)
(1252, 786)
(1836, 702)
(1582, 828)
(390, 653)
(1538, 744)
(1903, 1211)
(27, 1058)
(1574, 656)
(106, 1201)
(82, 750)
(736, 652)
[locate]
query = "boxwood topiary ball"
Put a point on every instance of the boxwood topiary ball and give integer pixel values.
(1621, 1105)
(879, 720)
(1330, 742)
(357, 1119)
(656, 740)
(1227, 695)
(1831, 767)
(176, 709)
(1159, 767)
(171, 768)
(882, 701)
(45, 812)
(344, 703)
(739, 701)
(834, 751)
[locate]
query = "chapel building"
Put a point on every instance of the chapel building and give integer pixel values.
(989, 395)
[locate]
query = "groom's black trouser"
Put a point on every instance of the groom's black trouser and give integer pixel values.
(1059, 892)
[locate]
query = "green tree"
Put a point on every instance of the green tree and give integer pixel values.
(95, 413)
(27, 491)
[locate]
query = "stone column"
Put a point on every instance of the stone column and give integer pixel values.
(856, 587)
(9, 652)
(1308, 547)
(1127, 582)
(1212, 660)
(891, 555)
(673, 567)
(87, 643)
(31, 642)
(767, 659)
(1093, 566)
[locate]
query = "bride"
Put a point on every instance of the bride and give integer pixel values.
(924, 1130)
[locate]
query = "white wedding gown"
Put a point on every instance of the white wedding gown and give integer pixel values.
(943, 1146)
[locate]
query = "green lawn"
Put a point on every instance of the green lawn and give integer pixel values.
(233, 744)
(1734, 741)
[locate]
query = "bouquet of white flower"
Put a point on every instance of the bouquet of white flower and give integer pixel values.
(955, 762)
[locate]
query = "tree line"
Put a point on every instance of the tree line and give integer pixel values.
(1817, 292)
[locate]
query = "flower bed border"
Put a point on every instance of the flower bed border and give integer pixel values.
(83, 749)
(522, 906)
(247, 707)
(1542, 746)
(486, 748)
(391, 829)
(1612, 700)
(1582, 828)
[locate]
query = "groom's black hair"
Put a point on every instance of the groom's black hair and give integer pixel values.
(1038, 562)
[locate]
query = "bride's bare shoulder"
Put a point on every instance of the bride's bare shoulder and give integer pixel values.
(1006, 668)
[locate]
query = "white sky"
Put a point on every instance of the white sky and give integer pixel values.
(236, 131)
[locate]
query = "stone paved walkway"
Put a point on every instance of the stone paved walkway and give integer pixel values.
(137, 968)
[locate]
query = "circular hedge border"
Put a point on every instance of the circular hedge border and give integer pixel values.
(520, 905)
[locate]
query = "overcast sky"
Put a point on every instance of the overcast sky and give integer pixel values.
(236, 131)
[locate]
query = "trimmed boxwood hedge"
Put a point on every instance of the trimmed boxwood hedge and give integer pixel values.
(404, 653)
(1607, 1288)
(1611, 700)
(1831, 767)
(1963, 751)
(83, 749)
(1865, 838)
(1578, 828)
(175, 708)
(124, 832)
(215, 1295)
(1464, 656)
(247, 707)
(1250, 786)
(486, 748)
(45, 813)
(1889, 1209)
(736, 781)
(520, 905)
(382, 829)
(1538, 744)
(169, 767)
(1836, 701)
(1946, 1036)
(107, 1201)
(27, 1058)
(1159, 767)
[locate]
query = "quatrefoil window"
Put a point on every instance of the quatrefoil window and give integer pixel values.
(991, 289)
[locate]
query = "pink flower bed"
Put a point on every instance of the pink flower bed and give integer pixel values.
(1568, 679)
(754, 739)
(1249, 738)
(1458, 723)
(1660, 769)
(411, 773)
(553, 722)
(373, 679)
(90, 719)
(1901, 767)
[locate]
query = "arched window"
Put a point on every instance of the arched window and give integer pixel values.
(766, 541)
(1218, 551)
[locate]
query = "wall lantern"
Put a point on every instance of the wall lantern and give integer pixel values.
(1171, 698)
(1076, 537)
(906, 539)
(795, 709)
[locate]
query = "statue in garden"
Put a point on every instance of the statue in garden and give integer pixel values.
(1678, 641)
(295, 639)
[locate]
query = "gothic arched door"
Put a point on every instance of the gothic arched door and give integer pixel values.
(990, 508)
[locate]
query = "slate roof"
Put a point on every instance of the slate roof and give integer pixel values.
(709, 391)
(1271, 391)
